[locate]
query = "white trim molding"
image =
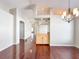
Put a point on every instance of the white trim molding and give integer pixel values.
(77, 46)
(61, 44)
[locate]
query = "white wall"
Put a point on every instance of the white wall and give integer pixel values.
(28, 27)
(6, 30)
(77, 32)
(61, 33)
(4, 6)
(43, 29)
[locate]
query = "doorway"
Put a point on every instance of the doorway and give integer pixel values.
(43, 31)
(22, 31)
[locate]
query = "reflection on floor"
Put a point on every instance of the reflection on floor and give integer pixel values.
(64, 53)
(46, 52)
(42, 52)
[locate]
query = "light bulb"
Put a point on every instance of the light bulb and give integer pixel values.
(64, 13)
(76, 12)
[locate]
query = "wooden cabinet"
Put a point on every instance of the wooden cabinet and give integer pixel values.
(42, 38)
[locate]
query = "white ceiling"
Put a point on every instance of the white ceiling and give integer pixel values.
(57, 3)
(15, 3)
(50, 3)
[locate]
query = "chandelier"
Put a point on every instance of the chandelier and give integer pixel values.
(70, 14)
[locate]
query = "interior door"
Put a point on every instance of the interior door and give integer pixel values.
(22, 39)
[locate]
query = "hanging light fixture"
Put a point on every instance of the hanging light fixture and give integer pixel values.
(70, 14)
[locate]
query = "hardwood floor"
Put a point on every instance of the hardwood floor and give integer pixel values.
(21, 48)
(42, 52)
(8, 53)
(61, 53)
(46, 52)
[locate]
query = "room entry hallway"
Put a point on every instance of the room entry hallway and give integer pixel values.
(39, 29)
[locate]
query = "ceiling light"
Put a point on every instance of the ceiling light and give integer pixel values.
(70, 14)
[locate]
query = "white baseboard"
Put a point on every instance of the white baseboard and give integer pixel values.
(77, 46)
(5, 47)
(61, 44)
